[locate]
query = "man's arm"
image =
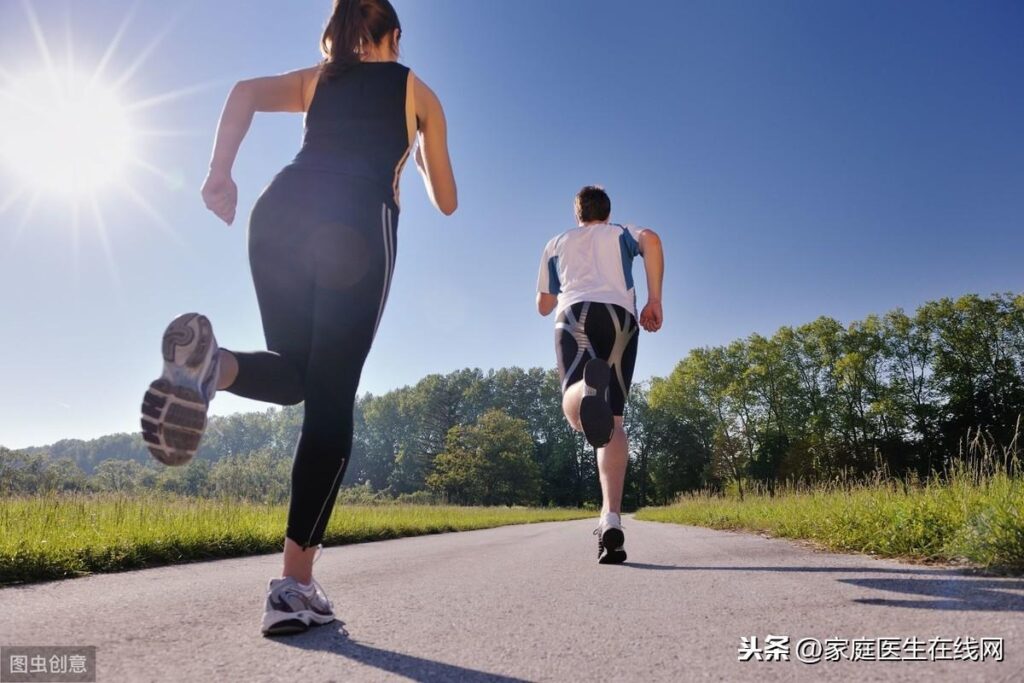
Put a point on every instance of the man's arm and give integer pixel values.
(546, 302)
(548, 285)
(651, 317)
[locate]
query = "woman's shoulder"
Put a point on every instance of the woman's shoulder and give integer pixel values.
(424, 93)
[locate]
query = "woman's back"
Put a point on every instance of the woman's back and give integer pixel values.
(358, 125)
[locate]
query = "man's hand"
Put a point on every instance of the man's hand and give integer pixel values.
(546, 302)
(220, 194)
(654, 267)
(651, 317)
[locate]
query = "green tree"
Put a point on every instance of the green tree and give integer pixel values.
(912, 398)
(263, 476)
(977, 364)
(191, 480)
(65, 475)
(122, 476)
(432, 407)
(489, 463)
(22, 472)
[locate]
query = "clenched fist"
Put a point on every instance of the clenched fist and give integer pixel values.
(651, 317)
(220, 194)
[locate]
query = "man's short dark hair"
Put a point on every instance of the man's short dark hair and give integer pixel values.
(592, 204)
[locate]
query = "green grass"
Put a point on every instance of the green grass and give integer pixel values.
(54, 537)
(967, 518)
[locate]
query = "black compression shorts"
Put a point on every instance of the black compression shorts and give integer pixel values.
(588, 330)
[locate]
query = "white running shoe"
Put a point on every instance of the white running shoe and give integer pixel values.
(293, 608)
(610, 540)
(174, 408)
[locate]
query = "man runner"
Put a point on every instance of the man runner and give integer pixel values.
(587, 275)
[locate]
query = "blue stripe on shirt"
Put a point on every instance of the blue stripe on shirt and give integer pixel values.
(630, 249)
(554, 284)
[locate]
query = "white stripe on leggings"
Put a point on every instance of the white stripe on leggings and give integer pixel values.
(389, 266)
(389, 262)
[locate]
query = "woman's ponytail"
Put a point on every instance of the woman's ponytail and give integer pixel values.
(354, 26)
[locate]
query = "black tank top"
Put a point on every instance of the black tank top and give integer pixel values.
(356, 125)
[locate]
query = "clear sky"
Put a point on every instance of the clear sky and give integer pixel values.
(798, 158)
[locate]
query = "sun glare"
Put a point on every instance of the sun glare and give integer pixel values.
(70, 131)
(64, 134)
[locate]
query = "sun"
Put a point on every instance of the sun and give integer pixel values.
(72, 135)
(63, 134)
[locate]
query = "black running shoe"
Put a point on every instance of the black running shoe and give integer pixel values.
(595, 413)
(610, 544)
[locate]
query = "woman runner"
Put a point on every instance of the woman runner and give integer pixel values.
(322, 244)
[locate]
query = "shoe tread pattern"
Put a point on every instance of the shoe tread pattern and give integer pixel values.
(173, 421)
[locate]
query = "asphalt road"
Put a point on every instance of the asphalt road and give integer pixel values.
(531, 603)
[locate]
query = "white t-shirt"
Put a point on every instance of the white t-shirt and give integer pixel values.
(591, 263)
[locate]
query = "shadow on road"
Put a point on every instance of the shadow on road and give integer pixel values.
(952, 589)
(950, 594)
(810, 570)
(334, 638)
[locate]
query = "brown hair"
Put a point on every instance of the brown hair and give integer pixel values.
(354, 26)
(592, 204)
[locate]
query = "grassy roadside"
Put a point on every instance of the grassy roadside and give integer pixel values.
(54, 537)
(971, 518)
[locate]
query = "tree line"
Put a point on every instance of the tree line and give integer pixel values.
(823, 401)
(818, 402)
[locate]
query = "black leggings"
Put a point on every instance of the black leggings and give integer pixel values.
(322, 250)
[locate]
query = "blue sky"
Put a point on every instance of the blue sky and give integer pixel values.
(799, 159)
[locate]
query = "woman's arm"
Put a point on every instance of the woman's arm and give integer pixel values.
(432, 152)
(290, 92)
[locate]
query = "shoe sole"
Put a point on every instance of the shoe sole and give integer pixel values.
(595, 414)
(180, 334)
(291, 623)
(174, 408)
(613, 538)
